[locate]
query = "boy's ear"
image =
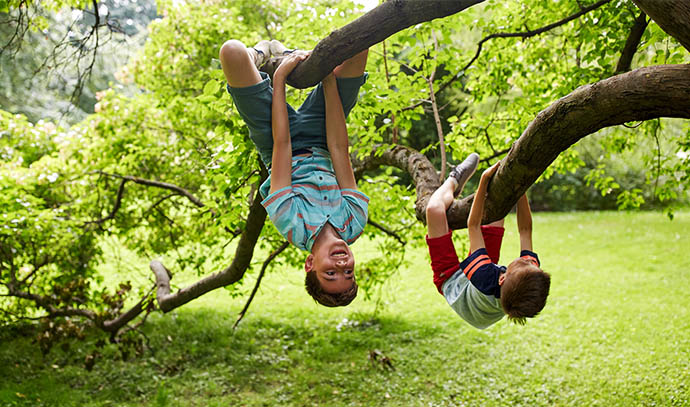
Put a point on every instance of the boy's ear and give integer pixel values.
(501, 279)
(309, 263)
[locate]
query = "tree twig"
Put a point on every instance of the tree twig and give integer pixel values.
(386, 231)
(268, 261)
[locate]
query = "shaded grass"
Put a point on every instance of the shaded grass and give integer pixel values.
(615, 332)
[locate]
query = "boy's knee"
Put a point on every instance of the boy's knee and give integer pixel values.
(435, 210)
(231, 50)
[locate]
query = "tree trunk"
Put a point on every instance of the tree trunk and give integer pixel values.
(673, 16)
(369, 29)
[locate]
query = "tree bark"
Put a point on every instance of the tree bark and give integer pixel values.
(673, 16)
(369, 29)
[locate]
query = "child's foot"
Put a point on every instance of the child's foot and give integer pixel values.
(464, 171)
(278, 49)
(260, 53)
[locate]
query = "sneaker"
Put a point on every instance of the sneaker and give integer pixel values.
(278, 49)
(261, 52)
(463, 171)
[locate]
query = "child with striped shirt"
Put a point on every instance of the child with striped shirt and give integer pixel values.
(311, 194)
(478, 290)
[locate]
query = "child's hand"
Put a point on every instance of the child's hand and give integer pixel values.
(290, 62)
(489, 172)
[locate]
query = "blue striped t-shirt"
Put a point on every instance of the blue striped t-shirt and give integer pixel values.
(300, 211)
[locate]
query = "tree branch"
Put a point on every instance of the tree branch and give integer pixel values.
(386, 231)
(672, 17)
(632, 43)
(373, 27)
(243, 255)
(268, 261)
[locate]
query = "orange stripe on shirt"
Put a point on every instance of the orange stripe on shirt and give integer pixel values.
(357, 195)
(331, 187)
(274, 197)
(476, 264)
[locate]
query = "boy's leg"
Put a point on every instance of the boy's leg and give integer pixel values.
(240, 63)
(353, 67)
(251, 92)
(441, 199)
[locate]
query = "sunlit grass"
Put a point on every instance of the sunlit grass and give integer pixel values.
(615, 332)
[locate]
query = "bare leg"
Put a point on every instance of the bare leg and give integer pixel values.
(238, 65)
(498, 223)
(353, 67)
(441, 199)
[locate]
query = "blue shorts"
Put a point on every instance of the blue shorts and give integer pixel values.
(307, 124)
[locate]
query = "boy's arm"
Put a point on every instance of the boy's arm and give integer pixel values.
(524, 223)
(474, 220)
(336, 135)
(281, 160)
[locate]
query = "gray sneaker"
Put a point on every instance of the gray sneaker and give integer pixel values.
(278, 49)
(261, 53)
(463, 171)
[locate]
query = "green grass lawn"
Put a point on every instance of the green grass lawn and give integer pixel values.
(615, 332)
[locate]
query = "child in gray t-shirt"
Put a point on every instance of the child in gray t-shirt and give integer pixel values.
(483, 292)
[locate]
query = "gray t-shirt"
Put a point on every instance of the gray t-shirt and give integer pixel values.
(478, 309)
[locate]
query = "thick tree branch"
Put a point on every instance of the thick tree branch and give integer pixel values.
(642, 94)
(671, 15)
(369, 29)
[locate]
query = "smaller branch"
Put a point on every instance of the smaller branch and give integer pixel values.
(114, 325)
(632, 43)
(116, 207)
(158, 184)
(386, 231)
(268, 261)
(434, 106)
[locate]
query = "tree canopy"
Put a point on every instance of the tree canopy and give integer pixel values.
(170, 173)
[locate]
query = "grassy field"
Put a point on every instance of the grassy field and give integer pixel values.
(615, 332)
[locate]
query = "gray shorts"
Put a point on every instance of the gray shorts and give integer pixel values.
(307, 124)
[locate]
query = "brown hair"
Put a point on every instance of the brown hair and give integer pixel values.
(524, 292)
(313, 286)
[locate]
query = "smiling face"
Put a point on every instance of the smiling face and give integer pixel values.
(334, 265)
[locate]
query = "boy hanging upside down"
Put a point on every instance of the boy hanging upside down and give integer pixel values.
(477, 289)
(311, 194)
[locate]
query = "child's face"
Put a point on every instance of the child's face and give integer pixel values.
(334, 265)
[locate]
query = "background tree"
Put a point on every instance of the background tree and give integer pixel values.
(170, 173)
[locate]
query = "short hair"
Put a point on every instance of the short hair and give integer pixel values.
(524, 292)
(313, 286)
